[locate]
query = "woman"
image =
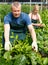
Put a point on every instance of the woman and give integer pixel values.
(35, 17)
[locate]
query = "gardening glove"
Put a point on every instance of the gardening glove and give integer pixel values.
(34, 46)
(8, 46)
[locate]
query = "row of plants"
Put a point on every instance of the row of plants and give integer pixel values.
(21, 52)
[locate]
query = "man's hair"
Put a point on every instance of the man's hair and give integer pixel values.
(16, 4)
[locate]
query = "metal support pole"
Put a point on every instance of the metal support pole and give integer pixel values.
(30, 5)
(41, 4)
(46, 4)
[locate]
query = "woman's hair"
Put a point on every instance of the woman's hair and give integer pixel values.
(36, 7)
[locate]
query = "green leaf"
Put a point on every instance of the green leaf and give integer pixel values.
(7, 55)
(20, 60)
(45, 62)
(2, 61)
(9, 62)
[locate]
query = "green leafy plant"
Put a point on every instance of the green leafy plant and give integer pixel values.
(22, 53)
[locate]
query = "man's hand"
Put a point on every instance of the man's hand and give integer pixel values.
(34, 46)
(7, 46)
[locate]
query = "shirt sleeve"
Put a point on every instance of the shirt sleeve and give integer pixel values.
(28, 20)
(29, 15)
(6, 20)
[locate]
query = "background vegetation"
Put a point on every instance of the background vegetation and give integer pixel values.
(22, 53)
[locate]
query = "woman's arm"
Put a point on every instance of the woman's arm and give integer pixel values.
(40, 22)
(39, 19)
(37, 24)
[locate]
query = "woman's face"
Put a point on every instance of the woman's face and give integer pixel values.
(36, 10)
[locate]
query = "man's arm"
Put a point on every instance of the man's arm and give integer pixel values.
(7, 45)
(6, 32)
(32, 32)
(33, 35)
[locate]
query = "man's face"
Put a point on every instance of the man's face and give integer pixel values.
(16, 11)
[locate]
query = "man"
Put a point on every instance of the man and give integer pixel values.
(17, 22)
